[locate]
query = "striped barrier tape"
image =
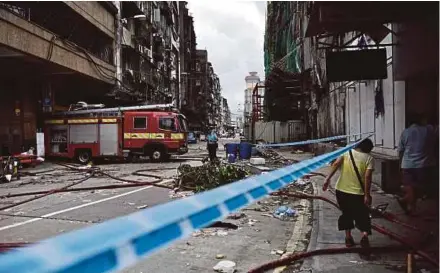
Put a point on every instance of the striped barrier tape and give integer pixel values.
(311, 141)
(121, 242)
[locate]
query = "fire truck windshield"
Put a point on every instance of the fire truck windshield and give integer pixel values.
(182, 123)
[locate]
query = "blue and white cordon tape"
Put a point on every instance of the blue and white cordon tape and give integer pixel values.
(121, 242)
(311, 141)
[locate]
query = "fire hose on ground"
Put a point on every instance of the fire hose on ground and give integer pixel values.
(288, 260)
(375, 227)
(92, 172)
(48, 192)
(107, 187)
(331, 251)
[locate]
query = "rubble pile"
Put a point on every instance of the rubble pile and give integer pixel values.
(208, 176)
(274, 158)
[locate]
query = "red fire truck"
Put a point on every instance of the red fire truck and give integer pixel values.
(157, 131)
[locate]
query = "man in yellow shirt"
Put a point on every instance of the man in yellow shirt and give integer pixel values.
(353, 196)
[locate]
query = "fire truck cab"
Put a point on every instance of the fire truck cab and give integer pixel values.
(157, 131)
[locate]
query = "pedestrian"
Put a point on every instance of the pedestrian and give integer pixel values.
(212, 145)
(417, 156)
(353, 191)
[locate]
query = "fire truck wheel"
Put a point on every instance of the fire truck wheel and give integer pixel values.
(83, 156)
(157, 154)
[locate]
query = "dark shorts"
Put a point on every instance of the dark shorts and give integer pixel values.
(423, 180)
(354, 212)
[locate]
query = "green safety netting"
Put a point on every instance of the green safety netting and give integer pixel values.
(279, 38)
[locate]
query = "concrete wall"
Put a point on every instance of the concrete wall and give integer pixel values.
(96, 14)
(360, 110)
(14, 30)
(349, 108)
(279, 132)
(330, 116)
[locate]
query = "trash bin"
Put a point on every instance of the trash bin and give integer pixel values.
(245, 150)
(231, 148)
(231, 158)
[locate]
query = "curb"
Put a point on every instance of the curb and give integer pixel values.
(307, 263)
(299, 231)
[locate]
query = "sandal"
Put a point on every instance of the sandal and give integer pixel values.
(349, 242)
(365, 242)
(365, 254)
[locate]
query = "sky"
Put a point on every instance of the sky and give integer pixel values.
(233, 34)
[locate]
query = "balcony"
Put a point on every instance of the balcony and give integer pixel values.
(40, 41)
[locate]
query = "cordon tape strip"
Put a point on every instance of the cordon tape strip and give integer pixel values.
(121, 242)
(312, 141)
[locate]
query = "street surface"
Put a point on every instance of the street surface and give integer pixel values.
(256, 239)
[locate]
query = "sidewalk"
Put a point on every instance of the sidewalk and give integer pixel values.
(326, 235)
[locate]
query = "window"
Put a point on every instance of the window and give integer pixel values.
(140, 123)
(198, 82)
(167, 124)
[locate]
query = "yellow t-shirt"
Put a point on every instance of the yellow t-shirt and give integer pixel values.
(348, 181)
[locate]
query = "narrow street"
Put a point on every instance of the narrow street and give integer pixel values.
(253, 241)
(324, 117)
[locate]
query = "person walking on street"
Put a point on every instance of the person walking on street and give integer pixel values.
(212, 145)
(417, 154)
(353, 191)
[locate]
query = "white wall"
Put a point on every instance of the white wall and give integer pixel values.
(360, 105)
(278, 132)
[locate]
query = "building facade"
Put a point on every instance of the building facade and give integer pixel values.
(251, 81)
(347, 97)
(48, 61)
(225, 117)
(116, 53)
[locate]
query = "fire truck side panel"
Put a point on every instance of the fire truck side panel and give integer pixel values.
(83, 133)
(92, 147)
(108, 139)
(83, 136)
(137, 128)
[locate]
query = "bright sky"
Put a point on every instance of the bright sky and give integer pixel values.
(233, 34)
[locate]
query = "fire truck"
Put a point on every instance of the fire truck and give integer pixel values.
(157, 131)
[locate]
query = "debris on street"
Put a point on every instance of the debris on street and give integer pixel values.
(225, 266)
(274, 159)
(142, 207)
(257, 161)
(284, 212)
(208, 176)
(221, 233)
(302, 181)
(220, 256)
(277, 252)
(236, 216)
(252, 222)
(182, 194)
